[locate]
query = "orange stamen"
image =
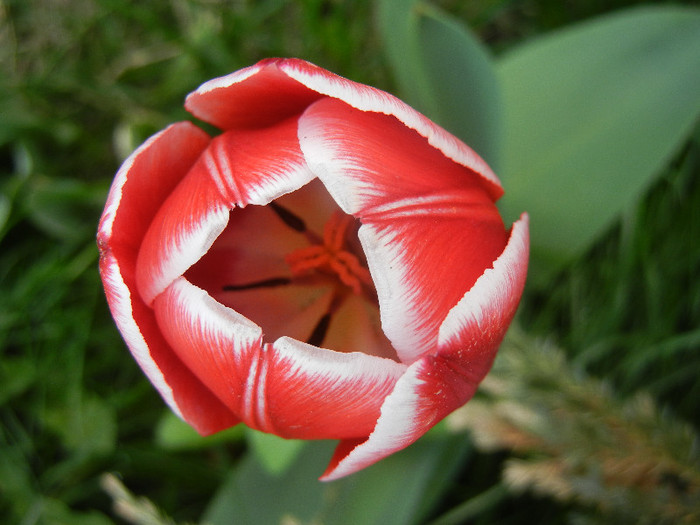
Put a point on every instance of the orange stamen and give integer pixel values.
(332, 256)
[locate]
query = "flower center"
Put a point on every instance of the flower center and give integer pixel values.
(331, 255)
(296, 268)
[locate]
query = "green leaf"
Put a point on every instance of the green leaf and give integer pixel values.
(52, 511)
(172, 433)
(399, 490)
(592, 114)
(398, 24)
(274, 453)
(443, 71)
(416, 477)
(253, 496)
(17, 374)
(5, 208)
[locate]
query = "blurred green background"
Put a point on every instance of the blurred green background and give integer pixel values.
(84, 82)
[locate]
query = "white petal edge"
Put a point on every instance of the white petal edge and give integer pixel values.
(120, 305)
(494, 290)
(115, 192)
(398, 425)
(385, 261)
(230, 79)
(367, 98)
(309, 359)
(395, 428)
(185, 250)
(227, 331)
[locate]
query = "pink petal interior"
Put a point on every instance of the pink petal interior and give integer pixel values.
(252, 249)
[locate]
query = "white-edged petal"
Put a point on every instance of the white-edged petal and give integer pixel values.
(491, 303)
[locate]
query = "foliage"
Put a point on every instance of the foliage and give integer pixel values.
(85, 81)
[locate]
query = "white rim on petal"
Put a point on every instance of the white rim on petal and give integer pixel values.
(399, 424)
(115, 192)
(230, 79)
(395, 428)
(185, 251)
(498, 285)
(122, 311)
(367, 98)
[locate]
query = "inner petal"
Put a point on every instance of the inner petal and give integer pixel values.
(248, 269)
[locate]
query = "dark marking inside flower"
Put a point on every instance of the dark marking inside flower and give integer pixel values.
(265, 283)
(290, 219)
(319, 332)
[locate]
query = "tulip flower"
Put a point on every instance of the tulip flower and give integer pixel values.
(332, 265)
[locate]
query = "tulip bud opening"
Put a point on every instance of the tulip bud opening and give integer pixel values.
(305, 276)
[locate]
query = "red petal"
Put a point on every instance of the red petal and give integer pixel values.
(367, 98)
(180, 389)
(145, 180)
(276, 89)
(488, 308)
(139, 188)
(436, 385)
(253, 97)
(429, 226)
(184, 229)
(256, 166)
(289, 388)
(322, 394)
(238, 168)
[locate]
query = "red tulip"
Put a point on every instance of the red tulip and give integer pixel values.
(331, 266)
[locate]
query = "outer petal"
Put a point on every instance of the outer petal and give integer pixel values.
(139, 188)
(429, 227)
(488, 308)
(288, 388)
(275, 89)
(238, 168)
(367, 98)
(437, 384)
(253, 97)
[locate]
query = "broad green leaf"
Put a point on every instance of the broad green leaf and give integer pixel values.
(592, 114)
(274, 453)
(399, 490)
(443, 71)
(398, 24)
(172, 433)
(253, 496)
(464, 83)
